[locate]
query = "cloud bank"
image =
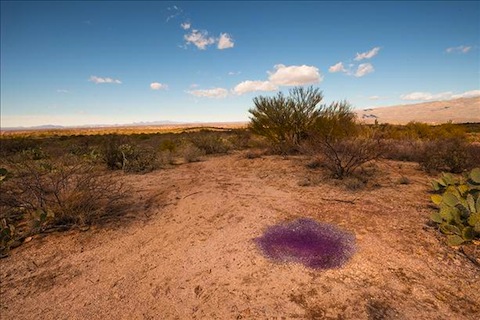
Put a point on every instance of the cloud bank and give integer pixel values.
(427, 96)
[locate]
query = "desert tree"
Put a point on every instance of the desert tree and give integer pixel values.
(286, 120)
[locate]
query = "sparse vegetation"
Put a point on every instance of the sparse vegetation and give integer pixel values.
(41, 195)
(328, 132)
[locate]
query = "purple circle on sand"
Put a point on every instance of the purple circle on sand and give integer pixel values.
(315, 245)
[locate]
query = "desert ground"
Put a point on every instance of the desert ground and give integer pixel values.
(435, 112)
(186, 251)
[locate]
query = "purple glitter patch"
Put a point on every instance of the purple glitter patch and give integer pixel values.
(315, 245)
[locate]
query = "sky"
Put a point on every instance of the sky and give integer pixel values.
(115, 62)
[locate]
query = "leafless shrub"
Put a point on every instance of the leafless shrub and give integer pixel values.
(66, 193)
(450, 155)
(403, 149)
(343, 156)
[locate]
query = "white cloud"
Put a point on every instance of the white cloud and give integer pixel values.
(194, 85)
(250, 86)
(367, 55)
(337, 68)
(427, 96)
(98, 80)
(459, 49)
(186, 25)
(294, 75)
(225, 41)
(199, 38)
(467, 94)
(210, 93)
(364, 69)
(232, 73)
(374, 98)
(62, 91)
(158, 86)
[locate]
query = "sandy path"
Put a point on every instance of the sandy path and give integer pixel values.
(189, 254)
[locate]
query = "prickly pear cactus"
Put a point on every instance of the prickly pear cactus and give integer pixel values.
(458, 202)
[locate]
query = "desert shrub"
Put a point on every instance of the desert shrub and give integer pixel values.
(166, 158)
(240, 139)
(418, 130)
(168, 145)
(336, 122)
(450, 155)
(192, 153)
(421, 131)
(473, 151)
(14, 145)
(286, 121)
(458, 200)
(112, 153)
(449, 131)
(46, 194)
(138, 160)
(403, 149)
(343, 157)
(119, 154)
(36, 153)
(210, 142)
(342, 145)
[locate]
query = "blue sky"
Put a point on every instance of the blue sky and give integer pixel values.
(74, 63)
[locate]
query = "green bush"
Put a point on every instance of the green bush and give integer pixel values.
(286, 121)
(458, 200)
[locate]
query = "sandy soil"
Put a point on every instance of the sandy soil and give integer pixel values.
(434, 112)
(186, 251)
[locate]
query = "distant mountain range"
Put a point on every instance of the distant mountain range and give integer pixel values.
(133, 124)
(457, 110)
